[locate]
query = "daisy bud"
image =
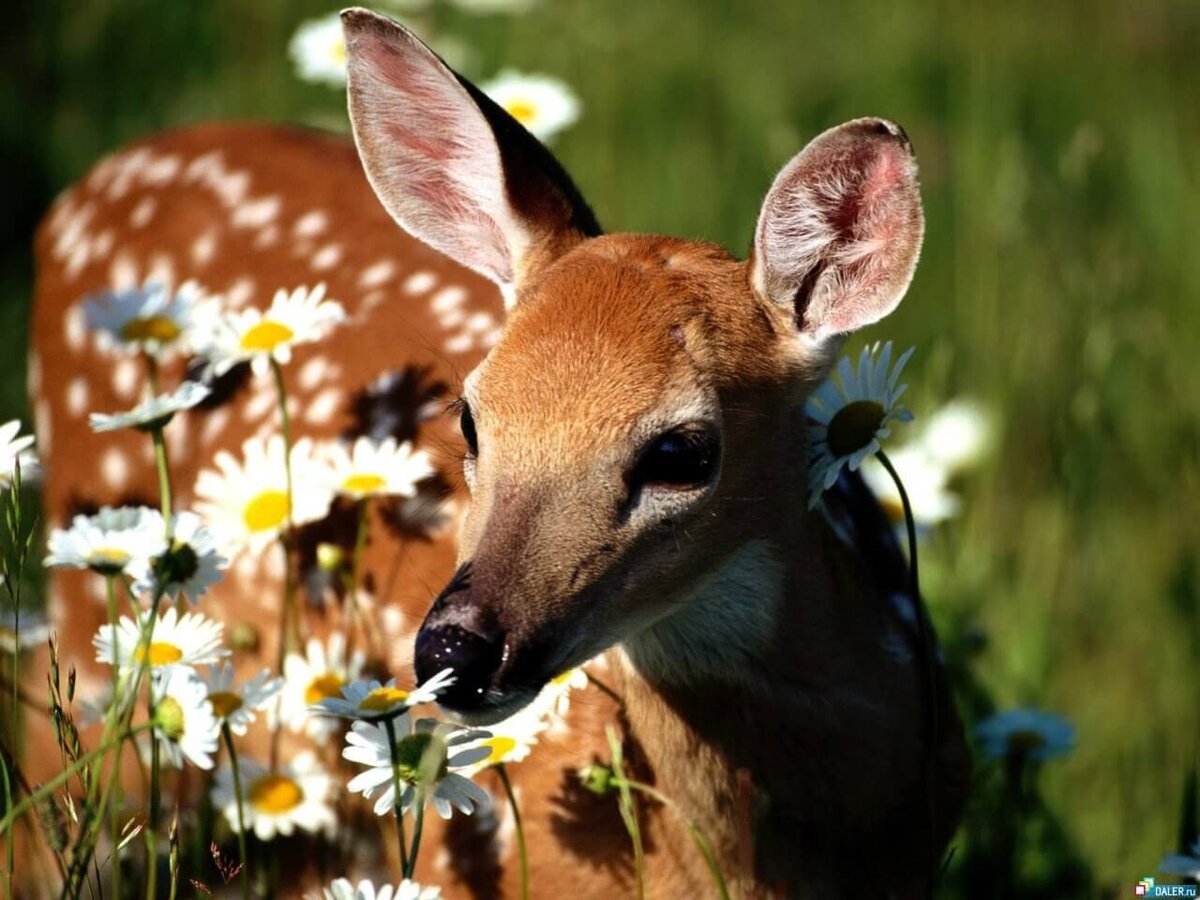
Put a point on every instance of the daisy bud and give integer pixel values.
(597, 779)
(244, 637)
(168, 718)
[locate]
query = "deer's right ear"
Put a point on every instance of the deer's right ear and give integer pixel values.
(840, 231)
(453, 168)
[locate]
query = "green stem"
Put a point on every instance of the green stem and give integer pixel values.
(390, 728)
(227, 734)
(520, 829)
(286, 613)
(10, 862)
(152, 824)
(628, 811)
(164, 478)
(285, 426)
(418, 822)
(698, 837)
(64, 776)
(114, 819)
(352, 612)
(926, 649)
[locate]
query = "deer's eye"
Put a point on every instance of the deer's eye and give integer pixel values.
(466, 422)
(681, 458)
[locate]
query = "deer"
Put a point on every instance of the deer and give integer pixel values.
(622, 477)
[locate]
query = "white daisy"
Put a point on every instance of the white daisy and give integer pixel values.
(111, 542)
(150, 318)
(847, 418)
(191, 566)
(278, 802)
(236, 704)
(1187, 865)
(153, 412)
(958, 435)
(246, 501)
(301, 317)
(14, 449)
(372, 468)
(925, 481)
(21, 629)
(344, 889)
(318, 675)
(426, 757)
(187, 640)
(1026, 733)
(373, 701)
(184, 723)
(318, 49)
(542, 104)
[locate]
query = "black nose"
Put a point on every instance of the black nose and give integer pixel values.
(474, 659)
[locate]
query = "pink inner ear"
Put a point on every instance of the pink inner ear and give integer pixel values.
(428, 151)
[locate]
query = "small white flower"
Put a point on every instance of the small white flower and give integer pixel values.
(279, 802)
(191, 566)
(15, 449)
(111, 542)
(1029, 733)
(21, 629)
(236, 704)
(246, 501)
(319, 674)
(848, 418)
(318, 48)
(150, 318)
(542, 104)
(188, 640)
(373, 468)
(957, 435)
(344, 889)
(153, 412)
(1187, 865)
(184, 723)
(426, 757)
(372, 701)
(925, 481)
(301, 317)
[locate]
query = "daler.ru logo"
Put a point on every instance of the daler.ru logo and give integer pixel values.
(1147, 888)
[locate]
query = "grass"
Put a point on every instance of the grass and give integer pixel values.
(1059, 283)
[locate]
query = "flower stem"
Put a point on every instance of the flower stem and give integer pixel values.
(287, 613)
(227, 734)
(926, 641)
(520, 829)
(390, 727)
(114, 821)
(418, 822)
(628, 811)
(152, 823)
(164, 478)
(285, 427)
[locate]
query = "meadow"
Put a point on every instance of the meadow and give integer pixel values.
(1059, 287)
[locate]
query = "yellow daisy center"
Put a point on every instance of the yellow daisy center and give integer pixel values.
(225, 703)
(522, 110)
(382, 698)
(275, 794)
(160, 654)
(1025, 741)
(854, 426)
(111, 555)
(150, 328)
(500, 746)
(266, 336)
(364, 483)
(266, 511)
(324, 686)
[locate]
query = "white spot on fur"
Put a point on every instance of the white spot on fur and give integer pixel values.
(77, 396)
(452, 319)
(257, 213)
(204, 248)
(321, 408)
(310, 224)
(268, 237)
(392, 619)
(261, 402)
(448, 298)
(143, 212)
(460, 343)
(125, 377)
(313, 371)
(419, 282)
(240, 292)
(45, 425)
(161, 269)
(75, 327)
(327, 257)
(481, 322)
(214, 423)
(161, 170)
(114, 469)
(376, 274)
(102, 245)
(123, 271)
(370, 301)
(492, 338)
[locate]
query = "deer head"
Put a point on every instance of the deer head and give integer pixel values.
(640, 420)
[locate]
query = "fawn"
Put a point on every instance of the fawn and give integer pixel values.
(634, 462)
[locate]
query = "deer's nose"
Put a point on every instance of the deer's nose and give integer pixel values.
(474, 658)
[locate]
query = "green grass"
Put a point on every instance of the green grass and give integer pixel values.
(1059, 282)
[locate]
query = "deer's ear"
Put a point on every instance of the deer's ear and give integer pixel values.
(451, 167)
(840, 231)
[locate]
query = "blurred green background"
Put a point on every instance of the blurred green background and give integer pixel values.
(1060, 285)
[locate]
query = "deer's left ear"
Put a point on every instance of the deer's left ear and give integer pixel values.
(452, 167)
(840, 230)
